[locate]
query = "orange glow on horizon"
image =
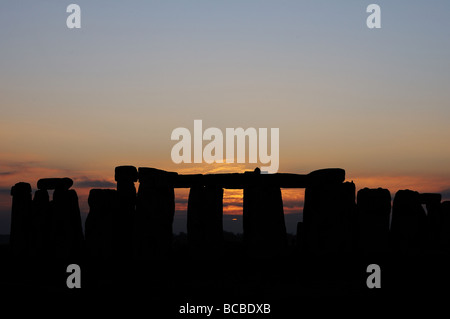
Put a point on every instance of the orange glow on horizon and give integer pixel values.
(293, 199)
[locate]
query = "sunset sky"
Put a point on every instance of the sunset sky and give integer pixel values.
(78, 102)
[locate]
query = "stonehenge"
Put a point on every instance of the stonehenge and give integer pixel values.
(125, 223)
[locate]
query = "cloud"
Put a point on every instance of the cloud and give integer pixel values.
(19, 165)
(237, 204)
(7, 173)
(217, 168)
(27, 171)
(4, 190)
(5, 220)
(181, 200)
(294, 203)
(93, 183)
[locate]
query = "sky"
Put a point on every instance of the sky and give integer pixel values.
(79, 102)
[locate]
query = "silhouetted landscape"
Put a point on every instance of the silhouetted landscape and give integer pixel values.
(128, 240)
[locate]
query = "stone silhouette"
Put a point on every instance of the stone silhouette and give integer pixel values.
(102, 229)
(20, 219)
(125, 177)
(329, 214)
(409, 223)
(130, 243)
(41, 224)
(263, 217)
(373, 209)
(155, 211)
(432, 204)
(204, 220)
(444, 229)
(125, 224)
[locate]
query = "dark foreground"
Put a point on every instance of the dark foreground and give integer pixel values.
(234, 277)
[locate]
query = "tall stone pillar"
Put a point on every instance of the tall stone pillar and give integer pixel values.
(409, 223)
(205, 220)
(263, 219)
(432, 203)
(41, 223)
(155, 211)
(99, 226)
(125, 177)
(329, 214)
(374, 209)
(20, 219)
(445, 226)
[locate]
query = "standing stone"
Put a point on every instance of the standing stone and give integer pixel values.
(67, 230)
(263, 219)
(20, 219)
(408, 227)
(432, 204)
(125, 176)
(374, 209)
(99, 227)
(445, 226)
(41, 223)
(205, 220)
(329, 217)
(155, 211)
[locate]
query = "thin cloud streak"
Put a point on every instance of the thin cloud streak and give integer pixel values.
(93, 183)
